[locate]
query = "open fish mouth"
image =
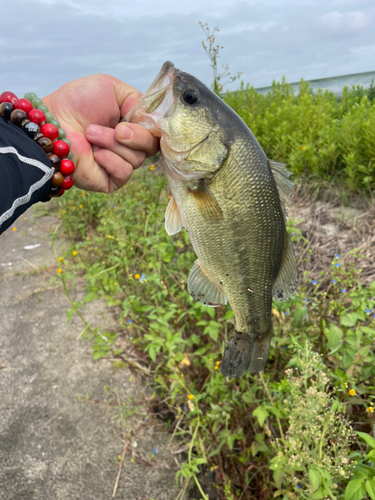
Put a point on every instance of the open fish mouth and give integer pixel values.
(157, 102)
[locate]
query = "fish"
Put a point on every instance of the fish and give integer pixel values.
(232, 202)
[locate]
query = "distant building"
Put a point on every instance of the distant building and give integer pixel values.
(334, 84)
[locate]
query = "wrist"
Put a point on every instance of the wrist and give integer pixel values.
(33, 115)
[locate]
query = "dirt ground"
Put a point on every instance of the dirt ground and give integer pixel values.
(332, 228)
(59, 439)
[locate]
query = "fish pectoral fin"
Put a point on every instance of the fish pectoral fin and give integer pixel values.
(287, 278)
(284, 185)
(206, 203)
(173, 222)
(203, 289)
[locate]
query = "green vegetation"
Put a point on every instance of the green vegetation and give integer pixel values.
(300, 430)
(283, 433)
(318, 136)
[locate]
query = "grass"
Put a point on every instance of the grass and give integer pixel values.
(301, 429)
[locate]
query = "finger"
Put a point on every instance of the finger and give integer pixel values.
(136, 137)
(104, 137)
(119, 170)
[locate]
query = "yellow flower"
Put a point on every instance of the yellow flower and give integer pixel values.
(191, 396)
(136, 276)
(61, 259)
(74, 208)
(64, 212)
(110, 237)
(81, 206)
(75, 253)
(130, 275)
(370, 409)
(216, 367)
(83, 194)
(59, 270)
(218, 362)
(24, 218)
(352, 392)
(169, 197)
(152, 167)
(14, 229)
(303, 148)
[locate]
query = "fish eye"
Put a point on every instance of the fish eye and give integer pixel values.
(190, 96)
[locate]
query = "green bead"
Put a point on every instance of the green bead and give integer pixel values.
(67, 141)
(43, 108)
(62, 134)
(36, 102)
(56, 123)
(70, 155)
(30, 96)
(49, 117)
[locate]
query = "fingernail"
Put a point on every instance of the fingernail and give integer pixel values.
(126, 133)
(93, 130)
(95, 149)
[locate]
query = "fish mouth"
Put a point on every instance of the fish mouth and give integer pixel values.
(157, 102)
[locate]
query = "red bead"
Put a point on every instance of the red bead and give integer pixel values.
(62, 191)
(61, 149)
(37, 116)
(8, 97)
(67, 167)
(23, 104)
(50, 131)
(67, 183)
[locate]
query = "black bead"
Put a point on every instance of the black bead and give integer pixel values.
(5, 110)
(54, 190)
(17, 116)
(31, 129)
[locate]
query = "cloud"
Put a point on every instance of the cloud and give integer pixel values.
(60, 40)
(344, 21)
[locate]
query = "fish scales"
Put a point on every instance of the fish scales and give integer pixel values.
(230, 249)
(225, 192)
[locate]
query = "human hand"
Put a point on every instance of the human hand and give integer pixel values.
(105, 151)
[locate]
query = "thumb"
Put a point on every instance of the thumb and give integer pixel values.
(126, 96)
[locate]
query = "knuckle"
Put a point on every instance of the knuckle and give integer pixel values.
(140, 157)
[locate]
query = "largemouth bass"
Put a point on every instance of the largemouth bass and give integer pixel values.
(231, 200)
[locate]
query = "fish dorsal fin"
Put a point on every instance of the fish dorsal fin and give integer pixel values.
(287, 279)
(203, 289)
(173, 222)
(284, 185)
(205, 201)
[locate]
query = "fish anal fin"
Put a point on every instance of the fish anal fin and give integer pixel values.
(284, 185)
(173, 222)
(286, 281)
(203, 289)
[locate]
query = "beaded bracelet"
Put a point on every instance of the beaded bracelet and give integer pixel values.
(34, 118)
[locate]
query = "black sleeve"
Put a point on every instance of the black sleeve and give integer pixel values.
(25, 173)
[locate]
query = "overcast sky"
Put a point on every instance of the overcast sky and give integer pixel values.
(45, 43)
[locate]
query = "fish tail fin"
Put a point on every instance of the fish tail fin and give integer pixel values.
(259, 352)
(237, 355)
